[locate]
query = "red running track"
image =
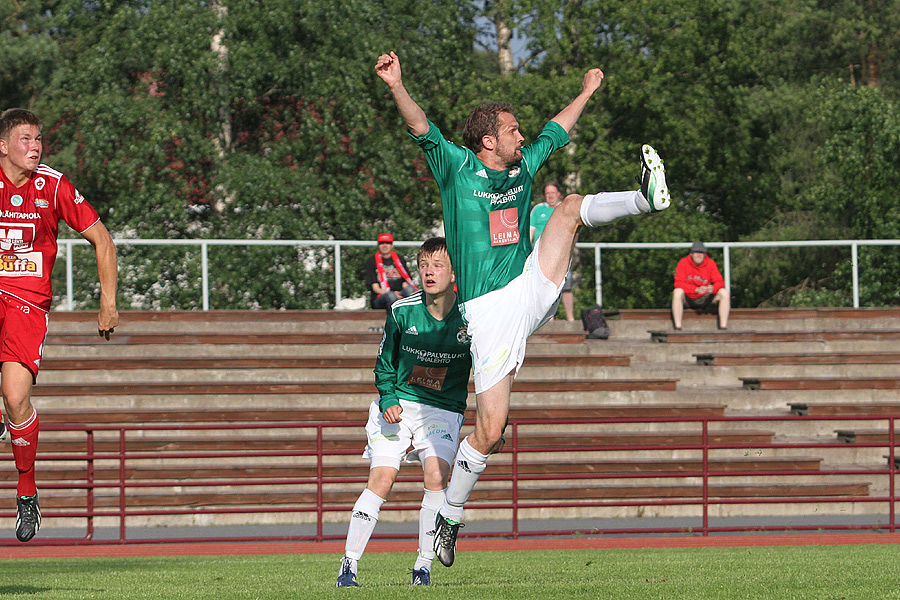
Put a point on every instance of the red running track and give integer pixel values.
(337, 548)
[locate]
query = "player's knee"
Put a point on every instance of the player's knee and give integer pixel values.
(678, 294)
(493, 437)
(435, 478)
(571, 205)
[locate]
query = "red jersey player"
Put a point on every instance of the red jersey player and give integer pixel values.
(33, 198)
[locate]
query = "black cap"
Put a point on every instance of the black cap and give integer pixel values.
(698, 247)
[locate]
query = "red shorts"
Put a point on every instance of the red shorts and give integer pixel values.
(23, 329)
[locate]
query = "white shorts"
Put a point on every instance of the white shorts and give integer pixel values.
(501, 321)
(431, 431)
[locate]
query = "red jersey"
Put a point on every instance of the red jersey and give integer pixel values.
(29, 226)
(689, 276)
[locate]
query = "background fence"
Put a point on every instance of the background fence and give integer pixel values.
(324, 262)
(128, 471)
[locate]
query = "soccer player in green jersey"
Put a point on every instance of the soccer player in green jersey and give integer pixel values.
(507, 287)
(422, 376)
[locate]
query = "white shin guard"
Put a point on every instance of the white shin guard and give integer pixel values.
(606, 207)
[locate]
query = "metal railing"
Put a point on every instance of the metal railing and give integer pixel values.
(126, 497)
(336, 247)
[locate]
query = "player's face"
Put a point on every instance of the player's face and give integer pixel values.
(552, 195)
(23, 147)
(509, 140)
(436, 273)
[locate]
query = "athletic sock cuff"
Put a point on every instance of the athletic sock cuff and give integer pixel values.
(433, 499)
(475, 459)
(26, 427)
(369, 503)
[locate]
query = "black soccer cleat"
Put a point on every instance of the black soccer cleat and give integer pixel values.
(28, 517)
(445, 535)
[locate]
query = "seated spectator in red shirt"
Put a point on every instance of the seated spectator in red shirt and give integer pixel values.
(699, 284)
(387, 275)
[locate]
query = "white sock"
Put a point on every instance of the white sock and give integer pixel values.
(431, 502)
(606, 207)
(470, 464)
(362, 523)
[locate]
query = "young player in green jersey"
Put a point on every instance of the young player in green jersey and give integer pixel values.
(422, 376)
(507, 288)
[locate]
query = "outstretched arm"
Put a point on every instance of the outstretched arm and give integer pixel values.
(108, 271)
(568, 116)
(388, 68)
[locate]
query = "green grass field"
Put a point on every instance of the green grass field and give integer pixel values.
(866, 572)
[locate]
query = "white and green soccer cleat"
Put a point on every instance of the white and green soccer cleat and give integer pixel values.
(653, 179)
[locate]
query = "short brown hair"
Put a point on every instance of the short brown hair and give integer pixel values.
(13, 117)
(432, 246)
(555, 183)
(482, 121)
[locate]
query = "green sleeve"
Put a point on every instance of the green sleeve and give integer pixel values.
(443, 157)
(387, 362)
(552, 138)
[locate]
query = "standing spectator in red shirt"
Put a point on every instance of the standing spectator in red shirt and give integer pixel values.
(699, 284)
(33, 200)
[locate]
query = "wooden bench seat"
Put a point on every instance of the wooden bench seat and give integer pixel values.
(812, 358)
(280, 362)
(329, 387)
(89, 317)
(223, 470)
(773, 314)
(828, 409)
(820, 383)
(278, 339)
(359, 416)
(727, 336)
(161, 445)
(340, 499)
(865, 436)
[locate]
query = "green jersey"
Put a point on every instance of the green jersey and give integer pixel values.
(486, 218)
(423, 359)
(540, 214)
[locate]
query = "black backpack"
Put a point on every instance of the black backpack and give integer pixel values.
(594, 323)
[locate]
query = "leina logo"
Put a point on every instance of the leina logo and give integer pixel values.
(17, 200)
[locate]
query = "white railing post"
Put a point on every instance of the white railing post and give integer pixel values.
(598, 277)
(338, 292)
(854, 261)
(726, 250)
(204, 273)
(70, 280)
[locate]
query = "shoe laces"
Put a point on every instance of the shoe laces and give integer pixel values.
(448, 534)
(28, 514)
